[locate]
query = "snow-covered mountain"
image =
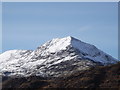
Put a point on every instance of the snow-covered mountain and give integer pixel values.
(57, 57)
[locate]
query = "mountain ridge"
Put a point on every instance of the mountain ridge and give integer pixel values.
(54, 58)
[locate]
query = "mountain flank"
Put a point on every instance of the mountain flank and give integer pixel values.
(59, 56)
(59, 63)
(97, 77)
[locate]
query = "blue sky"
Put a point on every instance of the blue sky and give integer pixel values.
(0, 27)
(29, 25)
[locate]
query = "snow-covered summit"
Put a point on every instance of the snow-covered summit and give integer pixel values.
(58, 44)
(54, 58)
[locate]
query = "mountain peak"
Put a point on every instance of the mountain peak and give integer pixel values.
(56, 57)
(58, 44)
(69, 37)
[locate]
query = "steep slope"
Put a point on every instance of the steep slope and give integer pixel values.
(60, 56)
(11, 60)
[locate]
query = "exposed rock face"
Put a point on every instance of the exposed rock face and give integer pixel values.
(55, 58)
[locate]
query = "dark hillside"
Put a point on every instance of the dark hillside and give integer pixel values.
(97, 77)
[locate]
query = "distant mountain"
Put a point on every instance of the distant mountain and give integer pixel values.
(58, 57)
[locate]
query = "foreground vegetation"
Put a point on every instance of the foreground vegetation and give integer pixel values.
(96, 77)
